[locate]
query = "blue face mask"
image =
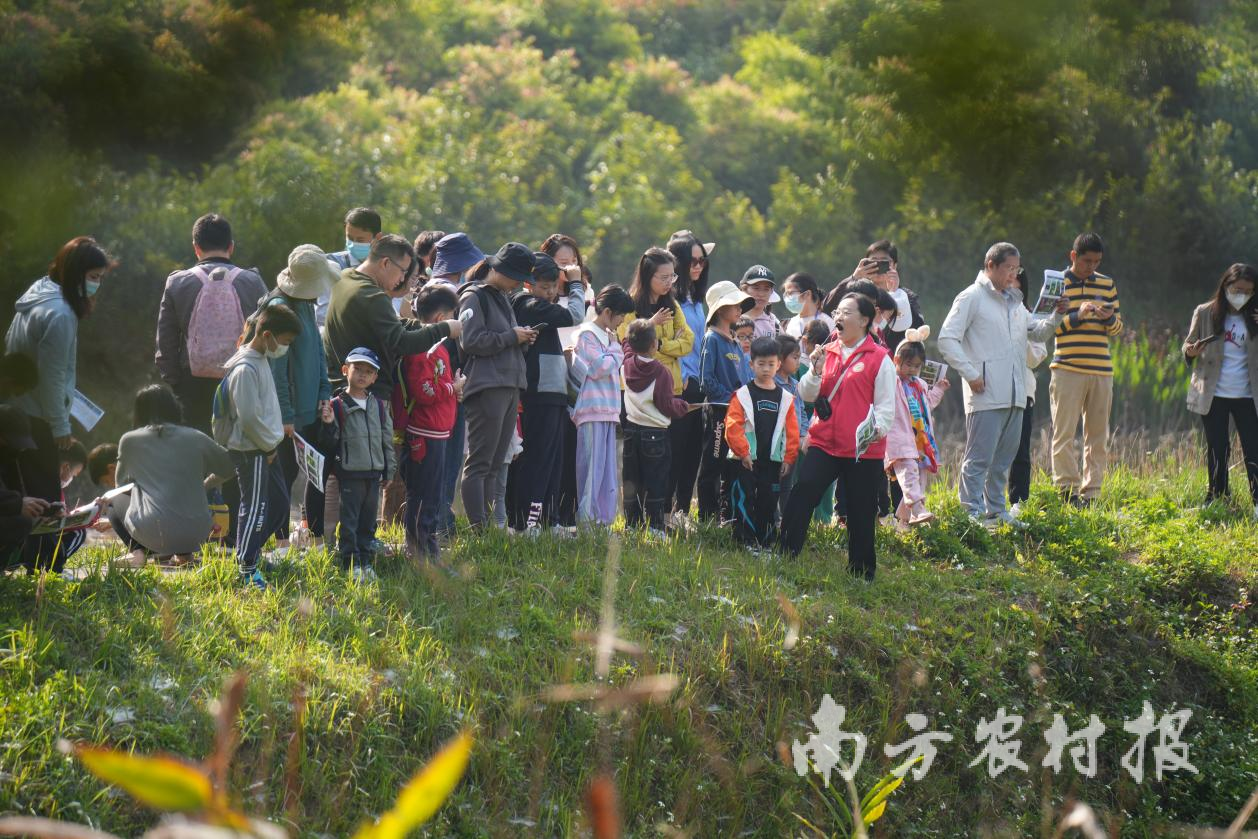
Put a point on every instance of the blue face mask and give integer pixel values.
(358, 250)
(93, 286)
(794, 303)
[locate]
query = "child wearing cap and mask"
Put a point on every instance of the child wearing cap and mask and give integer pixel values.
(759, 283)
(358, 428)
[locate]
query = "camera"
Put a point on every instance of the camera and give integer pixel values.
(821, 408)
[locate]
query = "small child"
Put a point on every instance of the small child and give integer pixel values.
(73, 459)
(425, 403)
(596, 363)
(720, 374)
(911, 440)
(762, 432)
(102, 465)
(357, 426)
(744, 334)
(650, 408)
(787, 378)
(247, 422)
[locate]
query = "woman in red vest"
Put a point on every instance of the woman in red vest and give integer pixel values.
(852, 381)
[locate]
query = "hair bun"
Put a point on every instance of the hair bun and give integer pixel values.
(919, 334)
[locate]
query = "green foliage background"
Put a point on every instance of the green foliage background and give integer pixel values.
(793, 133)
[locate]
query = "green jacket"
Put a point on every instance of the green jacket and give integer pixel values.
(361, 315)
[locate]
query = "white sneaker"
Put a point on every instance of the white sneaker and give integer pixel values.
(1016, 510)
(363, 574)
(1006, 517)
(532, 531)
(561, 532)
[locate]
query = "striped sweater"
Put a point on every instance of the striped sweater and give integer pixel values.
(596, 363)
(1083, 345)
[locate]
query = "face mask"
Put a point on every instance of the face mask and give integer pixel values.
(1238, 300)
(65, 482)
(279, 351)
(358, 250)
(794, 304)
(93, 286)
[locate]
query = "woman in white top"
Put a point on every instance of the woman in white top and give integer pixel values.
(802, 297)
(1222, 346)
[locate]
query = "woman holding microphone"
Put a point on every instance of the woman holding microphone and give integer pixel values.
(852, 383)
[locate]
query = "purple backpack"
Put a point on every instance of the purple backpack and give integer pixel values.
(216, 323)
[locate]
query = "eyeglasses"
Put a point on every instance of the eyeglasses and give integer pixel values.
(408, 271)
(703, 260)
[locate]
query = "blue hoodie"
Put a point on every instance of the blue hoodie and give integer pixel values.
(46, 329)
(301, 374)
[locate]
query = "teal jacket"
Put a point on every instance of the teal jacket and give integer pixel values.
(301, 374)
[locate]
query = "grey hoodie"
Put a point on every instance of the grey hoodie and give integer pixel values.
(46, 329)
(493, 355)
(253, 408)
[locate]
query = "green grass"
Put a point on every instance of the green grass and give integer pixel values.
(1088, 612)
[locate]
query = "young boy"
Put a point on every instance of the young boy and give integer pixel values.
(650, 408)
(357, 426)
(789, 354)
(425, 402)
(102, 465)
(537, 472)
(744, 334)
(758, 282)
(596, 363)
(762, 432)
(720, 363)
(247, 422)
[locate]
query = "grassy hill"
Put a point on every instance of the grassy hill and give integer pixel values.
(1091, 612)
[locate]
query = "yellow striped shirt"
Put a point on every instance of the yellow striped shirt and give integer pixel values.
(1083, 345)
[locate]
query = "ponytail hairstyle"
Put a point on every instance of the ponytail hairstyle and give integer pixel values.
(913, 347)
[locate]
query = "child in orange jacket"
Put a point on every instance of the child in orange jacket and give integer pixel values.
(762, 432)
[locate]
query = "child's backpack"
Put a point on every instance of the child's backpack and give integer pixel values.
(220, 415)
(216, 323)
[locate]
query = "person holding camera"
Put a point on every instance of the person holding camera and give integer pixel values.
(851, 382)
(881, 266)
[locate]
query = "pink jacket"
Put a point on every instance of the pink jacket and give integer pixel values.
(901, 442)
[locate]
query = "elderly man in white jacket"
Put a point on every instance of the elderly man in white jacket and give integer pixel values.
(984, 338)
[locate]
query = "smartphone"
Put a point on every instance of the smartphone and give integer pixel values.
(540, 326)
(1209, 338)
(884, 265)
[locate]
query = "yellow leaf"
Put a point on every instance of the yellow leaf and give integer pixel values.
(875, 814)
(880, 800)
(425, 793)
(162, 783)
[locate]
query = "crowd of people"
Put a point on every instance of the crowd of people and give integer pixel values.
(421, 368)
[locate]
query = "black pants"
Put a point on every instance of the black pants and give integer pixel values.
(714, 467)
(259, 482)
(1020, 471)
(196, 395)
(567, 512)
(312, 499)
(1219, 443)
(889, 496)
(646, 468)
(753, 498)
(425, 496)
(39, 476)
(686, 436)
(860, 477)
(538, 471)
(360, 502)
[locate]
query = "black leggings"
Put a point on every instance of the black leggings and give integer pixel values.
(861, 479)
(1020, 471)
(1219, 443)
(686, 438)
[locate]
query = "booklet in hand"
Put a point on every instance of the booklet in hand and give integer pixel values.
(1053, 290)
(932, 372)
(79, 517)
(866, 433)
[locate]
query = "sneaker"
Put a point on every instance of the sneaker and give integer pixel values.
(255, 580)
(377, 547)
(1016, 510)
(983, 521)
(363, 574)
(1004, 517)
(656, 535)
(561, 532)
(532, 531)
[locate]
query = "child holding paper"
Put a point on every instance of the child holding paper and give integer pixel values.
(912, 454)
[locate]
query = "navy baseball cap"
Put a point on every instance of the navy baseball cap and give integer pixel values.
(363, 354)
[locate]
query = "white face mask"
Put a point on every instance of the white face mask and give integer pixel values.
(279, 351)
(1237, 299)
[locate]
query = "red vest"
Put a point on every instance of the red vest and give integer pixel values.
(837, 435)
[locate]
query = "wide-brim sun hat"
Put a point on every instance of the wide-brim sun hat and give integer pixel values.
(309, 275)
(724, 294)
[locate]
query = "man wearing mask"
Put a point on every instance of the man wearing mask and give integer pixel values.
(362, 227)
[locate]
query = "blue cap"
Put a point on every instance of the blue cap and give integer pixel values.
(363, 354)
(455, 253)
